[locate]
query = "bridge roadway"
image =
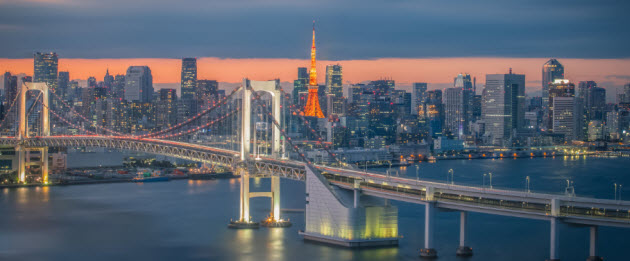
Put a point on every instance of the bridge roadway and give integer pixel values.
(543, 206)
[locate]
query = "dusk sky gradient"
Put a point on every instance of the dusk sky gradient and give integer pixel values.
(407, 40)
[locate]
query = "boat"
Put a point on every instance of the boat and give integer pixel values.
(151, 179)
(147, 176)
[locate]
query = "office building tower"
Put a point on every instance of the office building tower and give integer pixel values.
(10, 88)
(139, 85)
(454, 111)
(558, 88)
(166, 108)
(503, 106)
(563, 117)
(300, 86)
(334, 80)
(45, 69)
(418, 93)
(91, 82)
(118, 87)
(206, 94)
(626, 92)
(552, 70)
(433, 112)
(63, 84)
(189, 78)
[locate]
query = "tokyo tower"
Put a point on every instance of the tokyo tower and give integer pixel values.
(312, 105)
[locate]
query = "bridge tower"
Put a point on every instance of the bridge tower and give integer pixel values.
(244, 168)
(23, 133)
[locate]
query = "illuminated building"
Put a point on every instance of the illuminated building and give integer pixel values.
(312, 108)
(166, 108)
(138, 84)
(559, 88)
(563, 117)
(418, 93)
(454, 111)
(45, 69)
(62, 85)
(503, 106)
(206, 93)
(552, 70)
(300, 86)
(334, 79)
(188, 85)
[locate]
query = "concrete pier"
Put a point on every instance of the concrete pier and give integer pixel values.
(553, 241)
(593, 245)
(428, 251)
(463, 250)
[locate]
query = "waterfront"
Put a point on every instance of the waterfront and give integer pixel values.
(186, 220)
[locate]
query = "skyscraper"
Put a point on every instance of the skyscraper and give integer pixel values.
(63, 84)
(559, 88)
(166, 108)
(454, 111)
(45, 69)
(312, 107)
(138, 84)
(10, 88)
(334, 80)
(563, 117)
(464, 82)
(626, 92)
(189, 78)
(552, 70)
(207, 93)
(300, 86)
(503, 105)
(418, 93)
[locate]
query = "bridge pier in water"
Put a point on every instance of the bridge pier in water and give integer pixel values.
(429, 214)
(463, 250)
(594, 233)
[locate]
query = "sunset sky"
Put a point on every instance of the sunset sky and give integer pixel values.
(406, 40)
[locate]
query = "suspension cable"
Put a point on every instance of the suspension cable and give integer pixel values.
(9, 110)
(198, 128)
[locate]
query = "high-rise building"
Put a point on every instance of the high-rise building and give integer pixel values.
(552, 70)
(626, 92)
(166, 108)
(563, 117)
(189, 78)
(10, 88)
(558, 88)
(91, 82)
(418, 93)
(138, 84)
(63, 84)
(300, 86)
(433, 112)
(503, 106)
(118, 87)
(206, 93)
(454, 111)
(464, 82)
(334, 80)
(45, 69)
(334, 90)
(312, 108)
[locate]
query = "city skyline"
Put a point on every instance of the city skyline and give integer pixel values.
(438, 73)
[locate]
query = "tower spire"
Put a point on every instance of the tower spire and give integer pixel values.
(312, 107)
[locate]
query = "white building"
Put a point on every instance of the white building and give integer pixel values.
(138, 84)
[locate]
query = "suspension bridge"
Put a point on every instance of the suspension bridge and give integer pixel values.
(339, 208)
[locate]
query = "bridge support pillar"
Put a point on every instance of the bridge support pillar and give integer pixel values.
(593, 245)
(463, 250)
(44, 159)
(357, 193)
(21, 154)
(244, 220)
(554, 241)
(428, 251)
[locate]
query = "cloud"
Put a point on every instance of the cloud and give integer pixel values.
(351, 29)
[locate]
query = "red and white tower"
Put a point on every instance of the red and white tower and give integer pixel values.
(312, 105)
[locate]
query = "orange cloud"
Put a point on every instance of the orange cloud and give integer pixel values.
(404, 71)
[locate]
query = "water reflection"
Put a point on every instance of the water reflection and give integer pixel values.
(275, 245)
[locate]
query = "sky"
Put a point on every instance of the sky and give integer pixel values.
(406, 40)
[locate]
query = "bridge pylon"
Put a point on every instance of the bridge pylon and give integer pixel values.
(24, 134)
(244, 168)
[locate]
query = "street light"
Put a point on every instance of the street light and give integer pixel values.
(450, 173)
(484, 180)
(417, 173)
(615, 191)
(527, 178)
(490, 174)
(620, 186)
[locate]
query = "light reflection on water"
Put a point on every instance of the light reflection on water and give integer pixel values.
(186, 219)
